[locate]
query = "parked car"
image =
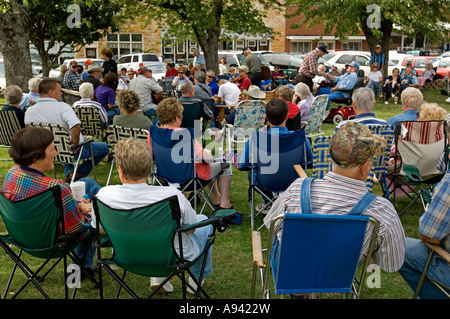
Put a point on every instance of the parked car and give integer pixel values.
(340, 58)
(419, 63)
(132, 61)
(288, 63)
(237, 58)
(158, 70)
(3, 74)
(442, 65)
(54, 73)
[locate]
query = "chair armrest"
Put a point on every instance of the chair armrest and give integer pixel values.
(257, 249)
(222, 215)
(75, 147)
(440, 251)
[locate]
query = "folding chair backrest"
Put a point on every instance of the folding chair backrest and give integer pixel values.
(421, 144)
(9, 124)
(90, 120)
(250, 114)
(116, 133)
(62, 142)
(316, 115)
(173, 153)
(275, 155)
(380, 164)
(321, 156)
(191, 113)
(32, 222)
(319, 253)
(142, 238)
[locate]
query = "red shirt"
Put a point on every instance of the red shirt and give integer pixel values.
(245, 84)
(173, 72)
(293, 110)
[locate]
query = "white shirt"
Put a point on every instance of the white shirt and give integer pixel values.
(144, 87)
(128, 196)
(229, 92)
(375, 76)
(50, 111)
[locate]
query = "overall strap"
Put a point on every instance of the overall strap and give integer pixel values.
(305, 198)
(362, 204)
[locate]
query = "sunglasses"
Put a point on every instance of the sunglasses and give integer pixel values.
(180, 73)
(210, 76)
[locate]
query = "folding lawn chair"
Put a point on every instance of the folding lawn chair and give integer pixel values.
(35, 226)
(173, 152)
(91, 123)
(318, 253)
(65, 150)
(115, 133)
(316, 116)
(272, 158)
(434, 250)
(143, 243)
(9, 124)
(419, 146)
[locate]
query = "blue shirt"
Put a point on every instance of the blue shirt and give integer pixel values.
(27, 98)
(346, 81)
(200, 60)
(378, 58)
(364, 118)
(214, 88)
(408, 115)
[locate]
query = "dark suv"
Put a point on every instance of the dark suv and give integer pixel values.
(288, 63)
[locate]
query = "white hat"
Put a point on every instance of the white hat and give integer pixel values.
(255, 92)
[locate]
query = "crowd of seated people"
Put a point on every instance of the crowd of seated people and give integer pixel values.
(136, 106)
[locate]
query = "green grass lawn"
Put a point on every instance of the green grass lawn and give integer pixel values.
(232, 251)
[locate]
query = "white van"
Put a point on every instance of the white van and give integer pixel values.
(132, 61)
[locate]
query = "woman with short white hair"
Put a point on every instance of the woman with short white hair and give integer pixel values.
(302, 92)
(13, 96)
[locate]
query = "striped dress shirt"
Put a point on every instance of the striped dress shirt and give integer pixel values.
(23, 182)
(336, 194)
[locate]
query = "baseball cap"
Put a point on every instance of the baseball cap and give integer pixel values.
(353, 144)
(322, 47)
(88, 61)
(354, 64)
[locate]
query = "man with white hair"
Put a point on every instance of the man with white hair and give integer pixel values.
(363, 101)
(411, 99)
(33, 96)
(87, 93)
(309, 68)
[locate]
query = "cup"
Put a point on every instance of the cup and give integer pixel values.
(78, 189)
(395, 100)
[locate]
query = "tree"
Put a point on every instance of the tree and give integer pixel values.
(376, 18)
(70, 23)
(14, 43)
(205, 21)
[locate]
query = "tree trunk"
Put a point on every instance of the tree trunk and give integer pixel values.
(385, 40)
(210, 47)
(15, 47)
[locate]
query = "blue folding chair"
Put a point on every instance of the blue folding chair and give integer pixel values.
(318, 253)
(173, 153)
(273, 157)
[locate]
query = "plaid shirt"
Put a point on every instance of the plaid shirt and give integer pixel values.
(23, 182)
(71, 81)
(336, 195)
(435, 222)
(310, 65)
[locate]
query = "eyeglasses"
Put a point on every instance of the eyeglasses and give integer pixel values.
(180, 72)
(210, 76)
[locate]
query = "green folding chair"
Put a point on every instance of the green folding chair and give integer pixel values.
(35, 226)
(143, 243)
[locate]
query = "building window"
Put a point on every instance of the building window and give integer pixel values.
(300, 47)
(352, 46)
(125, 43)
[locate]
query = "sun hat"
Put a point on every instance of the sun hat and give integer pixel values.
(254, 92)
(355, 65)
(93, 68)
